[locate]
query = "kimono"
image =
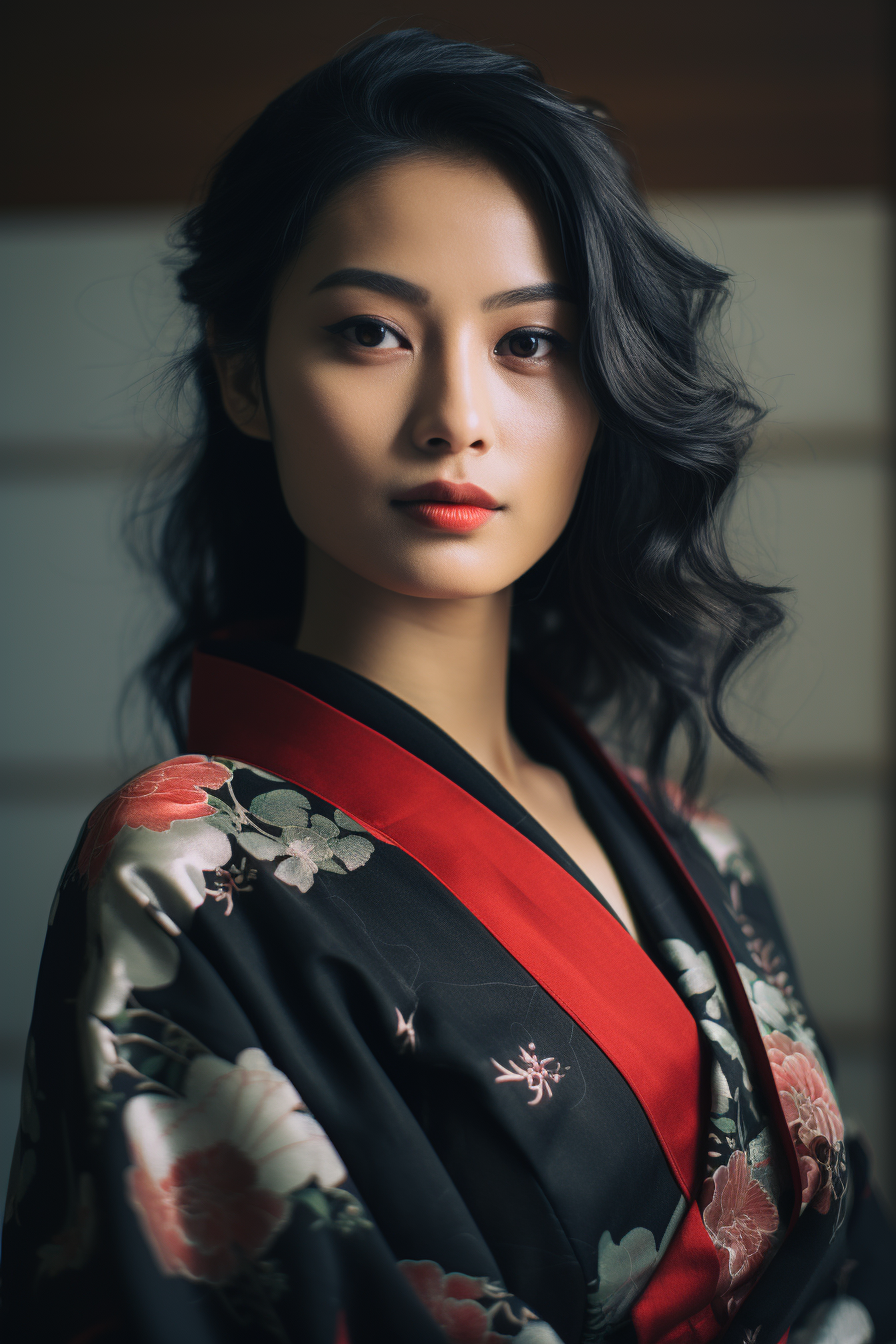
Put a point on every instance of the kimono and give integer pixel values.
(333, 1042)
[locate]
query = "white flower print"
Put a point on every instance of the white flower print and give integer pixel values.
(721, 1092)
(623, 1272)
(723, 844)
(306, 845)
(212, 1169)
(536, 1075)
(152, 884)
(844, 1321)
(103, 1052)
(723, 1037)
(698, 975)
(777, 1011)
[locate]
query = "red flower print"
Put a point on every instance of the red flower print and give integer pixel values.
(450, 1300)
(811, 1112)
(740, 1218)
(172, 791)
(208, 1214)
(211, 1170)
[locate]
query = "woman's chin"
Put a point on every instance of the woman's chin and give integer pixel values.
(449, 576)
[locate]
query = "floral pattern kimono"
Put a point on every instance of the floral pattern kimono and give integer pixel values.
(333, 1042)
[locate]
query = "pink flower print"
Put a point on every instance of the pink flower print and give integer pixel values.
(212, 1169)
(763, 954)
(172, 791)
(404, 1032)
(812, 1114)
(233, 878)
(674, 793)
(207, 1212)
(536, 1074)
(450, 1300)
(740, 1218)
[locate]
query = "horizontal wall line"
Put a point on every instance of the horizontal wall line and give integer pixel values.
(801, 445)
(73, 781)
(82, 459)
(857, 1038)
(64, 781)
(797, 775)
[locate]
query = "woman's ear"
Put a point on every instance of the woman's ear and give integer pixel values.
(240, 385)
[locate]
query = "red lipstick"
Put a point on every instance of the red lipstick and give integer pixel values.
(447, 506)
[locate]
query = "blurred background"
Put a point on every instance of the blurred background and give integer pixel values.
(759, 134)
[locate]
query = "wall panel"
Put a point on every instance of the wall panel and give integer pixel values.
(116, 103)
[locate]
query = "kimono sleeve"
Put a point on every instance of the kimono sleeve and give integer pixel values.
(169, 1183)
(861, 1305)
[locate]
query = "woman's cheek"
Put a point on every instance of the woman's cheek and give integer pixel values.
(552, 434)
(347, 419)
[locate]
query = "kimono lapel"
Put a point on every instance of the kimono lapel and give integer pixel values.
(564, 938)
(558, 932)
(700, 886)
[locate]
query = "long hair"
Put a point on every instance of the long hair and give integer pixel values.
(637, 605)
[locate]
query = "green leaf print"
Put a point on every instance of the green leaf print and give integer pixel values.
(353, 850)
(261, 846)
(281, 807)
(345, 822)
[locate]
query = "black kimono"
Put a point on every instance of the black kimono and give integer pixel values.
(333, 1042)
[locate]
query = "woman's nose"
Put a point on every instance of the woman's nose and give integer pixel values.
(452, 412)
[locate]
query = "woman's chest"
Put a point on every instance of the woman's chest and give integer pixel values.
(463, 1096)
(459, 1093)
(550, 800)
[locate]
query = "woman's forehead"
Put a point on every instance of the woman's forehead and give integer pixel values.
(439, 221)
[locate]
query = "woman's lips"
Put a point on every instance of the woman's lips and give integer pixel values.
(447, 517)
(447, 506)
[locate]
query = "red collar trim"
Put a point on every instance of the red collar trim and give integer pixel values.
(546, 919)
(734, 988)
(573, 947)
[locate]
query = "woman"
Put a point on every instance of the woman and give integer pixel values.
(393, 1009)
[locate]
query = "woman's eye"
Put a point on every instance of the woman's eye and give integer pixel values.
(534, 345)
(368, 334)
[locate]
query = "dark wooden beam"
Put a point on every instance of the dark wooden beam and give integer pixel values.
(121, 104)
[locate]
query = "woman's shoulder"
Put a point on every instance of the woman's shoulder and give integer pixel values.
(724, 865)
(719, 839)
(190, 820)
(164, 800)
(184, 837)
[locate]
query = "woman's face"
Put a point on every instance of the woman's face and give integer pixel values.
(423, 347)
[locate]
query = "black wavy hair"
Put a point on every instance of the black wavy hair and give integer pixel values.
(637, 606)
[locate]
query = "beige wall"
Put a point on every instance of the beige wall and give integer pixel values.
(812, 326)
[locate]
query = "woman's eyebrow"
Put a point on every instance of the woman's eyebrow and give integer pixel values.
(549, 289)
(394, 287)
(360, 278)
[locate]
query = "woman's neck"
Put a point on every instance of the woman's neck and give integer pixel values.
(445, 657)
